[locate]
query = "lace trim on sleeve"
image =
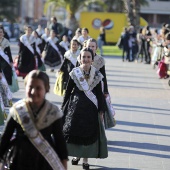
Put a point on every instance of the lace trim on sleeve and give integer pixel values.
(98, 62)
(98, 77)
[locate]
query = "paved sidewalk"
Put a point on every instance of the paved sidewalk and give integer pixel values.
(141, 138)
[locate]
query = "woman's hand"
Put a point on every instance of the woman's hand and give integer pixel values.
(64, 162)
(106, 95)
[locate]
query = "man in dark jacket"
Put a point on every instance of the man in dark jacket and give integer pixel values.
(57, 27)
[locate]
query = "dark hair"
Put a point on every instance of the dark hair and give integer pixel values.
(74, 40)
(2, 28)
(89, 50)
(37, 34)
(86, 29)
(37, 74)
(54, 18)
(140, 30)
(78, 30)
(167, 36)
(92, 40)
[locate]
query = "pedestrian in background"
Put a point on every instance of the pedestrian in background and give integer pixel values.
(101, 40)
(57, 27)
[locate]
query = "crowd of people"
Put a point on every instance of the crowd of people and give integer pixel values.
(147, 46)
(37, 133)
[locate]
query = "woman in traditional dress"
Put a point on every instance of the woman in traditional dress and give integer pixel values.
(64, 45)
(44, 38)
(6, 65)
(70, 60)
(2, 109)
(84, 35)
(5, 96)
(38, 42)
(52, 56)
(5, 57)
(99, 64)
(38, 143)
(27, 53)
(83, 111)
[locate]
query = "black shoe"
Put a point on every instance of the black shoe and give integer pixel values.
(85, 166)
(75, 161)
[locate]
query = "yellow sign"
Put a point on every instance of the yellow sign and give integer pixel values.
(112, 22)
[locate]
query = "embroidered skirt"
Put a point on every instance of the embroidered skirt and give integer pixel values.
(96, 150)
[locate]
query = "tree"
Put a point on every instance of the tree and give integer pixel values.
(6, 9)
(132, 8)
(71, 6)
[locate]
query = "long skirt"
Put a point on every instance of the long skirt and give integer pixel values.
(96, 150)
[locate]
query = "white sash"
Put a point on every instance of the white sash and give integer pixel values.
(36, 138)
(25, 41)
(1, 103)
(69, 56)
(85, 86)
(37, 42)
(64, 45)
(4, 56)
(54, 46)
(44, 37)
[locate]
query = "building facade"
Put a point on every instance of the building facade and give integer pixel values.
(157, 12)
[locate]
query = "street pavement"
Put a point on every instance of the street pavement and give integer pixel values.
(141, 138)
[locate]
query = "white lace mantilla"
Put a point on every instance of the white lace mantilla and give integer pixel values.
(24, 39)
(55, 39)
(95, 78)
(72, 56)
(45, 37)
(47, 115)
(4, 44)
(98, 62)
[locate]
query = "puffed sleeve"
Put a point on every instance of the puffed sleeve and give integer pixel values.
(100, 98)
(7, 50)
(68, 91)
(8, 131)
(64, 65)
(59, 139)
(102, 70)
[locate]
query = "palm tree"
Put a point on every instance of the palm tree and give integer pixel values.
(132, 8)
(6, 9)
(71, 6)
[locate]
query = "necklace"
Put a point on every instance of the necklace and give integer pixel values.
(86, 75)
(36, 111)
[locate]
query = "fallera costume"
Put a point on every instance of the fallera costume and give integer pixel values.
(27, 52)
(44, 38)
(82, 129)
(5, 61)
(5, 93)
(81, 39)
(52, 54)
(109, 120)
(69, 63)
(48, 122)
(39, 63)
